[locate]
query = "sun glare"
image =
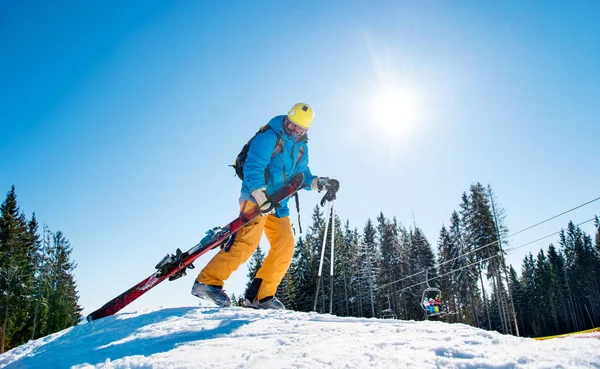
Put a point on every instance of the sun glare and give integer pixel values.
(395, 110)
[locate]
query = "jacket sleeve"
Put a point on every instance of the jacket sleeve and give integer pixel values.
(304, 168)
(258, 159)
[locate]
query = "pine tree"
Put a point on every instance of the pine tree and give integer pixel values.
(597, 224)
(391, 264)
(498, 268)
(472, 295)
(561, 313)
(17, 268)
(367, 271)
(422, 263)
(482, 238)
(580, 266)
(44, 283)
(545, 294)
(303, 272)
(597, 251)
(409, 280)
(63, 307)
(518, 297)
(308, 262)
(422, 254)
(38, 315)
(529, 304)
(286, 291)
(339, 283)
(448, 284)
(27, 311)
(348, 259)
(323, 249)
(464, 278)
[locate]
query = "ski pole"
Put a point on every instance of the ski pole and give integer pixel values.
(322, 256)
(332, 257)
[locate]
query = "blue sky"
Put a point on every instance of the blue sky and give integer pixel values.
(118, 120)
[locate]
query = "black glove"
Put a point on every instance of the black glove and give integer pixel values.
(325, 183)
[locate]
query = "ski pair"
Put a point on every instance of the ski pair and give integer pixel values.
(175, 265)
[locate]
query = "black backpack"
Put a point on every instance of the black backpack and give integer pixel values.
(238, 164)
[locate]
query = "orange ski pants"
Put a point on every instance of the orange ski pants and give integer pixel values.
(247, 239)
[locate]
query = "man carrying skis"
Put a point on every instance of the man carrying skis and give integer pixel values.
(277, 152)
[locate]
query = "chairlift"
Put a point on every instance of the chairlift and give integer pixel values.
(430, 294)
(388, 313)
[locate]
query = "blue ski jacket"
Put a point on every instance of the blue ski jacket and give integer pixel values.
(262, 169)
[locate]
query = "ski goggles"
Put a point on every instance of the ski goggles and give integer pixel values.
(294, 129)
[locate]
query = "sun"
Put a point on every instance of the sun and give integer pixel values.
(395, 110)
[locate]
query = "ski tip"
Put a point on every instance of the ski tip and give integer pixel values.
(94, 316)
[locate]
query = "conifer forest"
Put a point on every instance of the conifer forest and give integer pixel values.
(38, 294)
(380, 270)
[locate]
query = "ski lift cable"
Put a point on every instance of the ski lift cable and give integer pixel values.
(554, 217)
(491, 257)
(496, 241)
(483, 260)
(486, 259)
(450, 272)
(440, 264)
(542, 238)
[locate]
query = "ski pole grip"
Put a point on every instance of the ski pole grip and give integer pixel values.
(329, 196)
(332, 186)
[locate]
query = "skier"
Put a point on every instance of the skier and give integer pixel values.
(275, 154)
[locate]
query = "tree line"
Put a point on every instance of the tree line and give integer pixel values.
(383, 269)
(38, 294)
(380, 271)
(559, 289)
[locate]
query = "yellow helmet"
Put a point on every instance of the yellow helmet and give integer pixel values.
(301, 115)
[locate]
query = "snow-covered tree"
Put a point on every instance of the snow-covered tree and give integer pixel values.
(17, 271)
(391, 262)
(367, 271)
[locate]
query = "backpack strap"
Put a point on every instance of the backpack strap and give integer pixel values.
(300, 154)
(278, 149)
(278, 146)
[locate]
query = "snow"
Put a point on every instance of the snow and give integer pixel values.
(210, 337)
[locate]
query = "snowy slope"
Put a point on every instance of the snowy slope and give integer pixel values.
(199, 337)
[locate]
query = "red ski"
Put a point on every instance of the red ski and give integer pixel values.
(174, 266)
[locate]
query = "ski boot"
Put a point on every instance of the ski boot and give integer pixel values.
(270, 302)
(211, 293)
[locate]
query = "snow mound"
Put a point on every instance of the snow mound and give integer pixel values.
(200, 337)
